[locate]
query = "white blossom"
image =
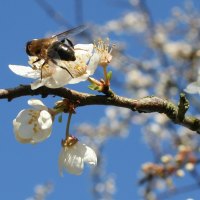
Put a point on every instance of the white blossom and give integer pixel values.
(63, 72)
(137, 79)
(194, 87)
(33, 125)
(86, 60)
(73, 157)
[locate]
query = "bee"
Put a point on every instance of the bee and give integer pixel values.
(56, 47)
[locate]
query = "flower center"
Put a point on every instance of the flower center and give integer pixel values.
(77, 68)
(33, 120)
(46, 71)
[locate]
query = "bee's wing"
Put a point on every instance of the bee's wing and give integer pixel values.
(70, 32)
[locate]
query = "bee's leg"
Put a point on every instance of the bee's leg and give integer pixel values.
(66, 70)
(41, 71)
(38, 59)
(33, 63)
(62, 67)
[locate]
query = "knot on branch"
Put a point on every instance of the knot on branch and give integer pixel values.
(183, 106)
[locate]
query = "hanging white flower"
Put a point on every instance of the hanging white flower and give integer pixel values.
(33, 125)
(73, 156)
(63, 72)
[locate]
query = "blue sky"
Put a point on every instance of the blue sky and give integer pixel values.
(24, 166)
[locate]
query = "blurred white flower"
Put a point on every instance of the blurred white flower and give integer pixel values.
(166, 158)
(194, 87)
(73, 156)
(41, 191)
(189, 166)
(33, 125)
(178, 50)
(63, 72)
(160, 37)
(134, 22)
(188, 138)
(107, 187)
(180, 173)
(137, 79)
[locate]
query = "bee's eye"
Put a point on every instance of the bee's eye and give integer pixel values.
(28, 47)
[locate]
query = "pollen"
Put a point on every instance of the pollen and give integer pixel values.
(33, 120)
(78, 68)
(36, 128)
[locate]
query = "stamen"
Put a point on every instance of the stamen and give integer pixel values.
(104, 49)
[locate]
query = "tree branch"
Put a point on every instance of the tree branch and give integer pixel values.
(144, 105)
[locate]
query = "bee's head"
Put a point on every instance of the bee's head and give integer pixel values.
(30, 47)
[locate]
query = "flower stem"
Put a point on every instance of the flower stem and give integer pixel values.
(105, 75)
(55, 111)
(68, 124)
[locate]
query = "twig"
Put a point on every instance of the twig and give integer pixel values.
(144, 105)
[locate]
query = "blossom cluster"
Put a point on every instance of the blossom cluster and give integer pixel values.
(35, 125)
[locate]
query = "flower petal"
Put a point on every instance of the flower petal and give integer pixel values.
(45, 120)
(41, 135)
(79, 79)
(86, 47)
(60, 78)
(37, 104)
(93, 63)
(72, 158)
(22, 128)
(70, 161)
(25, 71)
(90, 156)
(38, 83)
(74, 165)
